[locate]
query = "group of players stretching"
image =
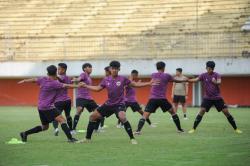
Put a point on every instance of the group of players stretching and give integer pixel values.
(54, 99)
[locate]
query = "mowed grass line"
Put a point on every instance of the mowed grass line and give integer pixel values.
(214, 143)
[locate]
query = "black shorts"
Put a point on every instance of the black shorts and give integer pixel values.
(108, 110)
(47, 116)
(154, 104)
(179, 99)
(90, 105)
(219, 104)
(134, 106)
(64, 106)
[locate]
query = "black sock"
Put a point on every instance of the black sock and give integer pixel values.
(69, 122)
(66, 130)
(76, 119)
(177, 121)
(97, 124)
(55, 124)
(185, 115)
(128, 129)
(197, 121)
(90, 129)
(232, 122)
(36, 129)
(102, 122)
(149, 121)
(140, 124)
(119, 122)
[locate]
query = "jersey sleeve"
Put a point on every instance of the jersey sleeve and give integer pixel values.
(39, 80)
(201, 77)
(82, 77)
(103, 83)
(57, 85)
(127, 82)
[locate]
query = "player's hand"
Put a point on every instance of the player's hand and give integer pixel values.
(186, 97)
(82, 84)
(21, 82)
(214, 81)
(74, 79)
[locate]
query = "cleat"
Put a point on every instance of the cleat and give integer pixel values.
(133, 142)
(56, 132)
(84, 141)
(73, 132)
(185, 118)
(191, 131)
(238, 131)
(73, 140)
(152, 126)
(23, 136)
(180, 131)
(137, 133)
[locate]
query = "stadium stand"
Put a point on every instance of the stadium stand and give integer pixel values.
(83, 29)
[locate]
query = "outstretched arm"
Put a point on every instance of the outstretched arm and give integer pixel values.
(179, 81)
(143, 84)
(28, 80)
(93, 88)
(71, 86)
(194, 79)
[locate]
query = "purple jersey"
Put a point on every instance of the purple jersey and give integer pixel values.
(115, 88)
(82, 92)
(62, 94)
(211, 90)
(159, 91)
(48, 92)
(130, 94)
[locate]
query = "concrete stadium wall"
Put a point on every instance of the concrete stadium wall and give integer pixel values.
(235, 90)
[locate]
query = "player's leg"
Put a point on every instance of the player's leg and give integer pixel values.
(60, 119)
(166, 106)
(205, 107)
(137, 108)
(221, 106)
(175, 103)
(79, 110)
(184, 106)
(67, 110)
(127, 126)
(60, 107)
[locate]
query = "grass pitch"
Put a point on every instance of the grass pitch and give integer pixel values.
(214, 143)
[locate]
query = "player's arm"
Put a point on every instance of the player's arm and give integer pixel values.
(93, 88)
(179, 81)
(186, 88)
(76, 79)
(33, 80)
(71, 86)
(216, 81)
(194, 79)
(143, 84)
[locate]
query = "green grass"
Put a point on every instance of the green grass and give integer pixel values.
(213, 144)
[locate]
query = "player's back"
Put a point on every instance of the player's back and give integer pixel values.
(159, 91)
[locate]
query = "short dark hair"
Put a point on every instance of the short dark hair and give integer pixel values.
(106, 68)
(85, 65)
(63, 65)
(115, 64)
(52, 70)
(179, 70)
(160, 65)
(210, 64)
(134, 72)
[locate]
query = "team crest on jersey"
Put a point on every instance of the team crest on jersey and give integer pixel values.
(118, 83)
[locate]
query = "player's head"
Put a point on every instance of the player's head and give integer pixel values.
(52, 70)
(210, 65)
(107, 71)
(62, 68)
(114, 67)
(160, 66)
(178, 71)
(134, 74)
(87, 67)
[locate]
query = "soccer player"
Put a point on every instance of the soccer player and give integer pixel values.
(130, 99)
(180, 92)
(49, 87)
(63, 101)
(212, 97)
(158, 98)
(84, 98)
(115, 85)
